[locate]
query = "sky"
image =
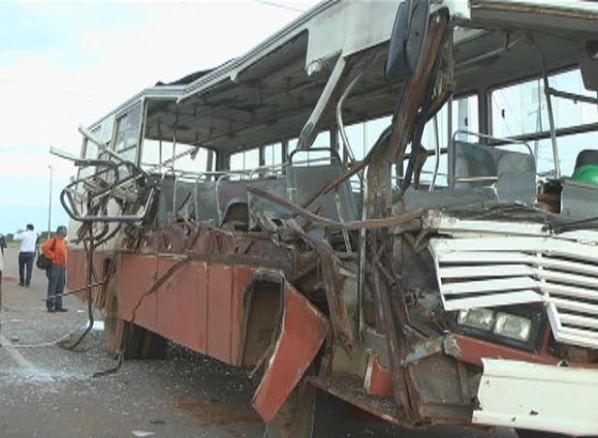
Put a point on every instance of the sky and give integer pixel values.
(66, 64)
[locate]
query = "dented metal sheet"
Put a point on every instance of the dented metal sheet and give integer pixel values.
(541, 397)
(199, 306)
(137, 274)
(185, 324)
(444, 223)
(377, 380)
(302, 325)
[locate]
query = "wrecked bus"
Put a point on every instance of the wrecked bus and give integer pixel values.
(444, 272)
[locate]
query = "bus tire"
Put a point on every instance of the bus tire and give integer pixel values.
(141, 343)
(120, 336)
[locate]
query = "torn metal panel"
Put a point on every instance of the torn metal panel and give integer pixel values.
(541, 397)
(378, 380)
(387, 290)
(446, 397)
(423, 350)
(350, 390)
(303, 325)
(499, 223)
(337, 296)
(474, 351)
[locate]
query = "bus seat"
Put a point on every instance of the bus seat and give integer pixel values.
(473, 160)
(304, 182)
(236, 212)
(513, 174)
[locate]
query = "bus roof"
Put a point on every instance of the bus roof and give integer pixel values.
(268, 93)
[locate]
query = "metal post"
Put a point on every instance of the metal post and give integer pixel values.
(555, 149)
(449, 124)
(50, 201)
(365, 139)
(437, 153)
(538, 121)
(285, 150)
(174, 173)
(159, 149)
(551, 123)
(210, 161)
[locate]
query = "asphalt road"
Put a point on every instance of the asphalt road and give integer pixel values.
(48, 391)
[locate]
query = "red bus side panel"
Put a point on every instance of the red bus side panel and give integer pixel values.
(76, 268)
(200, 306)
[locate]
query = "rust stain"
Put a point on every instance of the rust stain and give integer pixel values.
(378, 379)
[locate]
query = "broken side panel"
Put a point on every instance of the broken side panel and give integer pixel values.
(302, 333)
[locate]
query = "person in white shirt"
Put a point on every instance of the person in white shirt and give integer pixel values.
(27, 251)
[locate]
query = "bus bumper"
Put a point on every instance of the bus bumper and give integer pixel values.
(539, 397)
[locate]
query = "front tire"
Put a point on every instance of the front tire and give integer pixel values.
(133, 341)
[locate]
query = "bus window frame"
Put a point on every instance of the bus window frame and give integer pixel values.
(541, 135)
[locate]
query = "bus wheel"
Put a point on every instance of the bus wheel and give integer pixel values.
(140, 343)
(119, 335)
(114, 327)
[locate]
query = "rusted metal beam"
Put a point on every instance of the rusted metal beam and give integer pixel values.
(388, 292)
(351, 225)
(418, 86)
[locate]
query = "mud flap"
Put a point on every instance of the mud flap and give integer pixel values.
(302, 333)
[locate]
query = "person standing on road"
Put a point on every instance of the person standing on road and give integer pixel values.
(1, 269)
(2, 243)
(55, 249)
(28, 240)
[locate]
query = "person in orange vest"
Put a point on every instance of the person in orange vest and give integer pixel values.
(55, 249)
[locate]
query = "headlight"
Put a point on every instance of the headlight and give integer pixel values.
(512, 326)
(482, 319)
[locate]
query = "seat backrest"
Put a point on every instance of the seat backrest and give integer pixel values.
(167, 194)
(206, 201)
(473, 160)
(304, 182)
(512, 173)
(277, 186)
(579, 201)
